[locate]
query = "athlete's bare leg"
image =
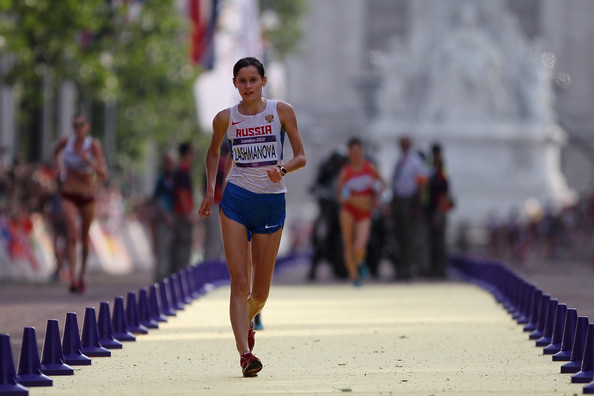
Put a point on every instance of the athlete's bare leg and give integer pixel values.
(70, 217)
(347, 228)
(235, 244)
(362, 231)
(87, 213)
(264, 252)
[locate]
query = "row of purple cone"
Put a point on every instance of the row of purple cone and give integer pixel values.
(106, 332)
(558, 329)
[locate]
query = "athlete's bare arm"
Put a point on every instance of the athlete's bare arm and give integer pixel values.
(289, 123)
(99, 163)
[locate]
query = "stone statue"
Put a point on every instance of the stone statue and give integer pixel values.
(467, 76)
(477, 66)
(465, 80)
(398, 70)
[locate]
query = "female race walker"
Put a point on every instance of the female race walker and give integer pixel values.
(253, 204)
(357, 196)
(81, 167)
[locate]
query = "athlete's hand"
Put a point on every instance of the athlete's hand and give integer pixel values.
(204, 210)
(274, 174)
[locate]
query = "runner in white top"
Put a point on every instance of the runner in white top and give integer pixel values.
(79, 159)
(73, 159)
(256, 144)
(256, 127)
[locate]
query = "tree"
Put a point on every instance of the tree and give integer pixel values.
(39, 37)
(129, 59)
(134, 59)
(152, 85)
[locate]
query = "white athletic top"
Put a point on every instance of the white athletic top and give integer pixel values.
(256, 143)
(73, 161)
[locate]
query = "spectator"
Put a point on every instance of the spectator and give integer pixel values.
(438, 207)
(163, 216)
(326, 239)
(51, 204)
(410, 174)
(213, 243)
(183, 234)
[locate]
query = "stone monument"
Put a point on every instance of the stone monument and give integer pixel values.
(467, 77)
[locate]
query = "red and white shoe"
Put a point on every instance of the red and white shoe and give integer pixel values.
(250, 365)
(81, 286)
(251, 337)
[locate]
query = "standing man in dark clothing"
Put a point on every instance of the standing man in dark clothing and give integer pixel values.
(213, 243)
(326, 238)
(183, 207)
(410, 174)
(438, 206)
(163, 216)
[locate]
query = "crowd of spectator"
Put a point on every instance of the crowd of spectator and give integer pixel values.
(31, 189)
(548, 233)
(27, 188)
(552, 234)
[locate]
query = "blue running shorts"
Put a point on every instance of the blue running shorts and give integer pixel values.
(259, 213)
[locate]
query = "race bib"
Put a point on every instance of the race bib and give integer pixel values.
(255, 151)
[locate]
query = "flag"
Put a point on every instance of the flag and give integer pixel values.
(239, 36)
(203, 15)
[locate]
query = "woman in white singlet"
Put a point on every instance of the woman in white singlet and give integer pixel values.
(79, 159)
(253, 204)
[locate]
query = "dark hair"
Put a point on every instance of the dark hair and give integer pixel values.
(354, 141)
(248, 61)
(80, 114)
(436, 147)
(184, 148)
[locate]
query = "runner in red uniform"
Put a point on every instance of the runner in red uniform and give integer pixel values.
(359, 185)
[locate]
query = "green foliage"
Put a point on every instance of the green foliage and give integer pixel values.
(139, 64)
(284, 35)
(154, 81)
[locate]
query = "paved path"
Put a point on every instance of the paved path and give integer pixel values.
(31, 304)
(413, 338)
(441, 338)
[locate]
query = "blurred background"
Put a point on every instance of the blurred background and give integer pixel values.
(504, 87)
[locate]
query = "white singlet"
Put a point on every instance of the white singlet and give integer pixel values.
(256, 143)
(73, 161)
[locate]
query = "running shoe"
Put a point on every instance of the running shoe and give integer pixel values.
(81, 286)
(250, 365)
(258, 323)
(251, 337)
(56, 276)
(363, 270)
(73, 286)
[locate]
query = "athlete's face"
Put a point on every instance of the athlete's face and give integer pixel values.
(81, 126)
(355, 153)
(249, 83)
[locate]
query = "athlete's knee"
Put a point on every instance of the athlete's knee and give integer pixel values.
(240, 288)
